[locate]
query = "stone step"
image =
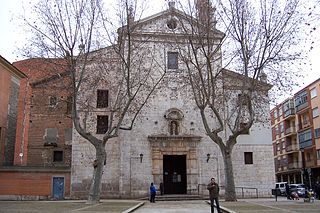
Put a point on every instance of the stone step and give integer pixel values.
(177, 197)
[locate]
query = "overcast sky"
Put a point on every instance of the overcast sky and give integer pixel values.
(12, 35)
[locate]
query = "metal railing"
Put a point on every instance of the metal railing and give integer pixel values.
(241, 192)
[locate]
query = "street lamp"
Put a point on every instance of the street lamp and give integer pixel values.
(141, 156)
(217, 159)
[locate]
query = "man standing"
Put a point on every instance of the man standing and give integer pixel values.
(213, 188)
(152, 193)
(288, 191)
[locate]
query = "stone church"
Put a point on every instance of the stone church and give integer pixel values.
(168, 143)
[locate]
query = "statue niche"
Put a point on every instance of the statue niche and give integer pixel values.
(174, 128)
(174, 117)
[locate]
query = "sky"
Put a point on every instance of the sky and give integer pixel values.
(12, 35)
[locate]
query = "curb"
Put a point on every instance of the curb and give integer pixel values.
(224, 209)
(133, 208)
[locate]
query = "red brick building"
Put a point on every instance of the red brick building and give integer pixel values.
(42, 152)
(10, 78)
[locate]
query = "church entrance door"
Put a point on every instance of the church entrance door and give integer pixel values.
(174, 174)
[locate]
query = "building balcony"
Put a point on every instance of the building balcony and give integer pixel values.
(289, 113)
(290, 130)
(294, 165)
(292, 148)
(302, 106)
(305, 144)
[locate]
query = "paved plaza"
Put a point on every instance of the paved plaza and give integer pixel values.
(270, 205)
(198, 206)
(263, 205)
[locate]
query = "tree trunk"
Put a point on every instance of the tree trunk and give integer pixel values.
(230, 193)
(95, 188)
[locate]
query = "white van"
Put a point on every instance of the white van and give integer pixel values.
(282, 187)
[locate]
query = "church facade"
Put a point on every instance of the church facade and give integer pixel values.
(168, 143)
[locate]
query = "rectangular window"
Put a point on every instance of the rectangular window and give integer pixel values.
(275, 113)
(102, 124)
(51, 137)
(305, 139)
(308, 157)
(102, 98)
(313, 93)
(282, 127)
(280, 112)
(305, 118)
(57, 156)
(315, 112)
(318, 154)
(277, 129)
(301, 101)
(248, 158)
(172, 60)
(317, 133)
(288, 108)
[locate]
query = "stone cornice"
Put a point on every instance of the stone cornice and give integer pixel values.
(163, 137)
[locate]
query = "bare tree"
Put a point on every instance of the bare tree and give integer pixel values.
(73, 30)
(261, 36)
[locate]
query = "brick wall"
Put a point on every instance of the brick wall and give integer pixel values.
(38, 116)
(23, 124)
(31, 183)
(12, 123)
(5, 84)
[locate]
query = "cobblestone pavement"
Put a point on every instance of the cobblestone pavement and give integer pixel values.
(198, 206)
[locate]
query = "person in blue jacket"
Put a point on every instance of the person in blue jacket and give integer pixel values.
(152, 193)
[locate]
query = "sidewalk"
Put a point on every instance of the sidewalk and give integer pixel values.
(270, 205)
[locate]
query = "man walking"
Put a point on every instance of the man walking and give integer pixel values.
(213, 188)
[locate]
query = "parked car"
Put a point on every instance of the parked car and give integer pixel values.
(282, 187)
(299, 188)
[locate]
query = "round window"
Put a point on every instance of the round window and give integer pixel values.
(172, 23)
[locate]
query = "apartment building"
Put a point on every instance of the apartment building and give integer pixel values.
(296, 137)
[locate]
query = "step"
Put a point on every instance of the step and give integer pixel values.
(177, 197)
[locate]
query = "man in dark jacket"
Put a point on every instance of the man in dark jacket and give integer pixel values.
(213, 188)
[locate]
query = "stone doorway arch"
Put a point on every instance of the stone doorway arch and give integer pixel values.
(176, 145)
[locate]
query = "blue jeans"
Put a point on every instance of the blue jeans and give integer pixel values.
(152, 197)
(212, 200)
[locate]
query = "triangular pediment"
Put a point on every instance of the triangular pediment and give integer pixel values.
(170, 21)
